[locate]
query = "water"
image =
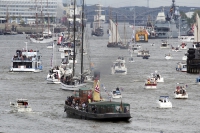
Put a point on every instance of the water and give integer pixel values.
(47, 100)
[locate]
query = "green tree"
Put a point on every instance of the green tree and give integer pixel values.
(183, 15)
(13, 18)
(192, 20)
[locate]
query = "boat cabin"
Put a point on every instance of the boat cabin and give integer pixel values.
(85, 94)
(108, 107)
(22, 102)
(164, 99)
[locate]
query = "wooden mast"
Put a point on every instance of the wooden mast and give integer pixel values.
(48, 16)
(74, 40)
(82, 42)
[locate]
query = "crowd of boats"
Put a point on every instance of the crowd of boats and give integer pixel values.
(86, 102)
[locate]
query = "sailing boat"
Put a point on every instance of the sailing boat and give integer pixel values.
(70, 81)
(125, 45)
(196, 32)
(114, 37)
(55, 73)
(97, 28)
(46, 36)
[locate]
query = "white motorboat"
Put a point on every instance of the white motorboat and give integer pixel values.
(118, 68)
(164, 102)
(121, 59)
(181, 66)
(41, 40)
(184, 57)
(88, 79)
(157, 77)
(116, 93)
(150, 83)
(180, 92)
(54, 75)
(26, 61)
(67, 59)
(186, 38)
(183, 46)
(168, 56)
(165, 44)
(21, 105)
(175, 49)
(142, 53)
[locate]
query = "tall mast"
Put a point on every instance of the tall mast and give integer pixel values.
(116, 28)
(41, 16)
(36, 14)
(82, 42)
(134, 25)
(48, 16)
(6, 25)
(74, 40)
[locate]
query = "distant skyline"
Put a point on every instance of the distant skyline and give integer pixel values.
(152, 3)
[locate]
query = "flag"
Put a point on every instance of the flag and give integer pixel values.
(89, 94)
(97, 89)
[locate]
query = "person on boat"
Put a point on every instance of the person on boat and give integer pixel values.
(117, 89)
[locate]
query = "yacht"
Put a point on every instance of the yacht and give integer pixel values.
(181, 66)
(183, 46)
(21, 105)
(116, 93)
(118, 68)
(180, 92)
(157, 77)
(142, 53)
(165, 44)
(150, 83)
(164, 102)
(26, 61)
(54, 75)
(184, 57)
(168, 56)
(186, 38)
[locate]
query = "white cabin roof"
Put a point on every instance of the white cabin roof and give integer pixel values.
(160, 16)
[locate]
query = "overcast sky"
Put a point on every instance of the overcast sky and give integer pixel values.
(152, 3)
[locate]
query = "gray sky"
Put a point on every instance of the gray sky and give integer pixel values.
(152, 3)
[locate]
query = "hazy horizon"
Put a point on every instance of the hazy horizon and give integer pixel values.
(144, 3)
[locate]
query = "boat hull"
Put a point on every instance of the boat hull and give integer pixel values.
(164, 105)
(180, 96)
(71, 87)
(150, 86)
(53, 81)
(24, 70)
(33, 40)
(72, 112)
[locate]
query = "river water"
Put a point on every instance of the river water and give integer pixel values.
(47, 100)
